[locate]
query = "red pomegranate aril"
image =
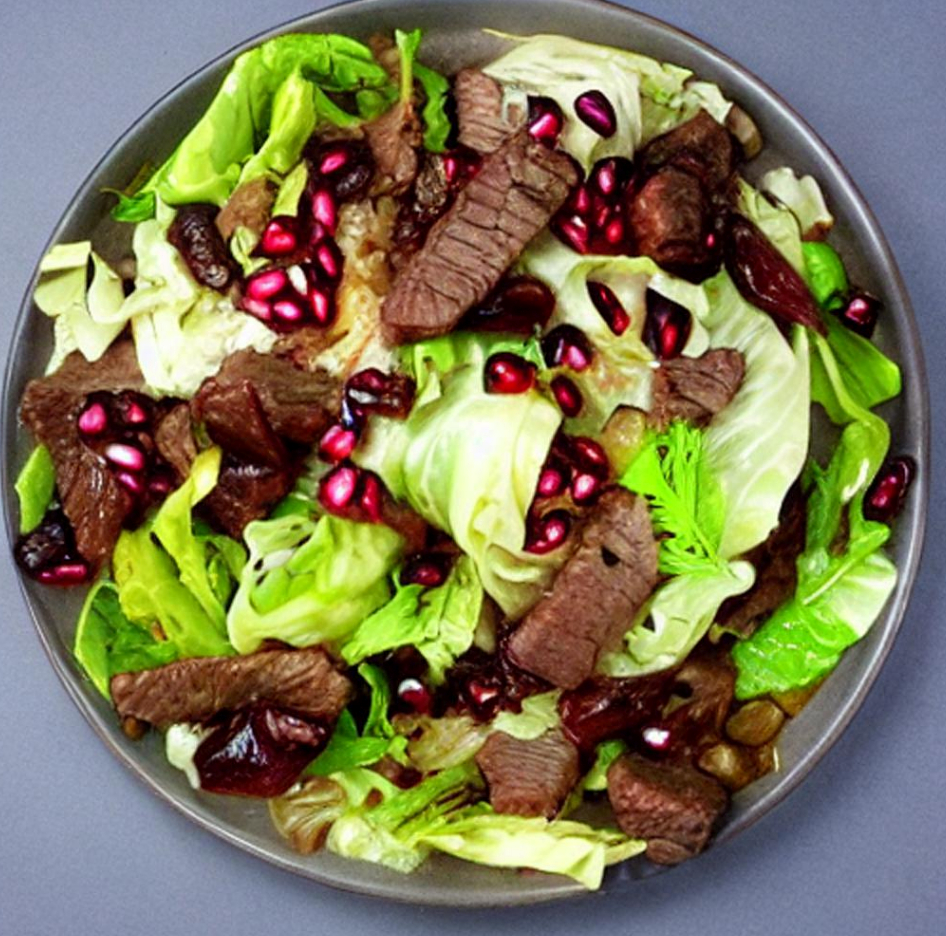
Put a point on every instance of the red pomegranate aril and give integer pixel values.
(609, 307)
(602, 216)
(710, 240)
(451, 168)
(373, 391)
(321, 303)
(287, 311)
(581, 199)
(430, 571)
(337, 488)
(552, 480)
(545, 120)
(585, 487)
(888, 492)
(548, 533)
(133, 482)
(590, 456)
(257, 308)
(605, 177)
(666, 327)
(656, 738)
(518, 304)
(280, 237)
(265, 285)
(329, 258)
(861, 313)
(573, 232)
(93, 420)
(125, 456)
(567, 395)
(413, 693)
(566, 346)
(333, 160)
(483, 693)
(159, 487)
(337, 443)
(614, 232)
(508, 373)
(370, 499)
(596, 111)
(134, 413)
(67, 573)
(323, 209)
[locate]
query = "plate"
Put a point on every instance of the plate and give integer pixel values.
(454, 39)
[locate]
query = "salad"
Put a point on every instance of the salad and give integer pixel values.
(438, 461)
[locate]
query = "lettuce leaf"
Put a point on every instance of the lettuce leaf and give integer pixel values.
(107, 642)
(310, 580)
(825, 274)
(438, 622)
(268, 95)
(803, 197)
(778, 224)
(35, 486)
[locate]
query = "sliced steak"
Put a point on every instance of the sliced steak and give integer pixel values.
(394, 138)
(701, 146)
(92, 499)
(517, 189)
(298, 404)
(776, 572)
(174, 438)
(245, 491)
(235, 420)
(595, 596)
(249, 206)
(484, 123)
(695, 389)
(529, 778)
(672, 806)
(303, 681)
(670, 219)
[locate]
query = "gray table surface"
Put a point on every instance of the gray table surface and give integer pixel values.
(858, 849)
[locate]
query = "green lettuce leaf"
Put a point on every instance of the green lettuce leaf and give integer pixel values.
(437, 126)
(606, 753)
(107, 642)
(35, 486)
(266, 106)
(825, 274)
(802, 197)
(778, 224)
(310, 580)
(438, 622)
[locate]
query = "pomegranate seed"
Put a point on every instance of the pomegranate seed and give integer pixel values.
(552, 480)
(134, 413)
(298, 279)
(321, 303)
(614, 232)
(482, 693)
(605, 177)
(595, 110)
(133, 482)
(590, 456)
(567, 395)
(265, 285)
(710, 240)
(373, 391)
(323, 209)
(256, 307)
(548, 533)
(125, 456)
(337, 488)
(413, 692)
(429, 571)
(666, 327)
(602, 214)
(93, 419)
(370, 499)
(317, 233)
(287, 311)
(333, 160)
(280, 237)
(581, 199)
(860, 314)
(888, 491)
(609, 307)
(656, 738)
(584, 487)
(573, 232)
(329, 258)
(450, 168)
(159, 487)
(508, 373)
(567, 346)
(67, 573)
(545, 120)
(337, 443)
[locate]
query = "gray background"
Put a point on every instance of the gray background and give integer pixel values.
(858, 849)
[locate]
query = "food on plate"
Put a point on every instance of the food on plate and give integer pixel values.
(438, 462)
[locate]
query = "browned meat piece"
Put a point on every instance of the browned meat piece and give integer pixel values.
(670, 220)
(250, 438)
(595, 596)
(672, 806)
(701, 146)
(95, 503)
(394, 138)
(776, 572)
(529, 778)
(244, 492)
(483, 125)
(174, 440)
(249, 206)
(695, 389)
(512, 197)
(298, 404)
(303, 681)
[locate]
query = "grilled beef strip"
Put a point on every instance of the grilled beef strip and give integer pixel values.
(484, 123)
(695, 389)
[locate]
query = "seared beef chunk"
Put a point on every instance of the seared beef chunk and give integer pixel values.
(595, 596)
(500, 210)
(776, 572)
(672, 806)
(245, 491)
(529, 778)
(670, 217)
(701, 146)
(93, 500)
(251, 437)
(695, 389)
(297, 403)
(394, 138)
(195, 235)
(249, 206)
(484, 125)
(174, 439)
(196, 689)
